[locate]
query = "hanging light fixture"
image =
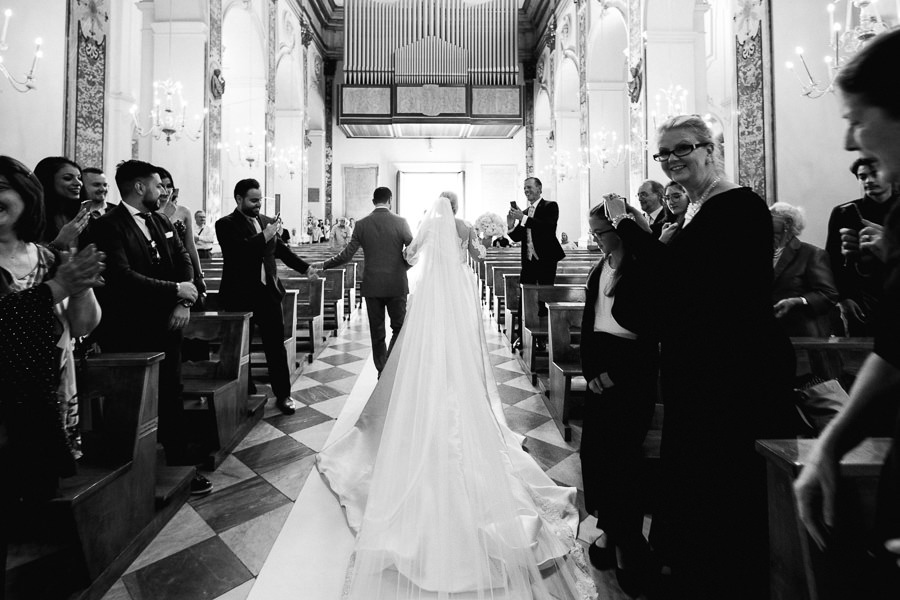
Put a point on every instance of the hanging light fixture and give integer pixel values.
(28, 84)
(168, 115)
(845, 40)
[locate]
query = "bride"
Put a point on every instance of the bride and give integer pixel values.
(444, 501)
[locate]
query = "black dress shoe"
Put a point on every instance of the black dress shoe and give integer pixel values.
(602, 557)
(640, 571)
(200, 485)
(285, 405)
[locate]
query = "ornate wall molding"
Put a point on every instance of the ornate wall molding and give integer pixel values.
(637, 121)
(755, 143)
(88, 26)
(213, 191)
(272, 37)
(582, 39)
(329, 70)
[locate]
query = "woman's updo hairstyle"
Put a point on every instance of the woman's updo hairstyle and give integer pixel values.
(698, 128)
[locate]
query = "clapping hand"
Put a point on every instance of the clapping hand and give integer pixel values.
(187, 291)
(81, 272)
(893, 546)
(71, 230)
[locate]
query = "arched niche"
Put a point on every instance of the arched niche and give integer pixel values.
(244, 101)
(608, 101)
(567, 132)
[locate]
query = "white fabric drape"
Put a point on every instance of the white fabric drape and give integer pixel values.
(445, 502)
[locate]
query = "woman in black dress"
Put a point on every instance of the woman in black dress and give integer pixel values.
(725, 367)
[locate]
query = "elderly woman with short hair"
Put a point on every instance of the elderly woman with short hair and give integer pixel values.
(804, 290)
(726, 369)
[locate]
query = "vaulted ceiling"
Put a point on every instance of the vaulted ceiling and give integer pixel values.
(327, 18)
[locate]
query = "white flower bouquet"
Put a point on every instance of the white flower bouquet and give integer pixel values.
(490, 225)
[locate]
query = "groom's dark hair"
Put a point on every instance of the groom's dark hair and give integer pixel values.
(381, 195)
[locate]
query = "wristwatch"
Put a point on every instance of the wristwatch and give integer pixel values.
(185, 303)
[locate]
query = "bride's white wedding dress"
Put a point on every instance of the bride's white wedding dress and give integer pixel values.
(444, 500)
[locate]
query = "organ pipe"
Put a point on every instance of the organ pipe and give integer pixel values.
(416, 42)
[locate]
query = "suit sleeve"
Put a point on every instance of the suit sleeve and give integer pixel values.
(546, 225)
(288, 257)
(833, 249)
(820, 281)
(517, 234)
(234, 240)
(348, 252)
(407, 233)
(118, 268)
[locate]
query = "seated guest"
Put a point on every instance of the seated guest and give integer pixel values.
(804, 290)
(566, 244)
(204, 236)
(148, 295)
(500, 241)
(65, 217)
(858, 273)
(94, 190)
(45, 300)
(620, 361)
(677, 201)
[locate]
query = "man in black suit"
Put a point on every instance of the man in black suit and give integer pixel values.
(536, 230)
(650, 195)
(148, 294)
(859, 274)
(250, 244)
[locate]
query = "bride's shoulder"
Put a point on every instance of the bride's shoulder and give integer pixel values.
(462, 228)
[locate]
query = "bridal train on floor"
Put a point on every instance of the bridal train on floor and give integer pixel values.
(443, 499)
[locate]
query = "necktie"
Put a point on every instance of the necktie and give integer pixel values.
(262, 267)
(156, 238)
(532, 255)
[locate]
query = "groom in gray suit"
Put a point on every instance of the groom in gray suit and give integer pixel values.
(382, 236)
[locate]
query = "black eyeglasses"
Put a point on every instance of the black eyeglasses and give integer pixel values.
(679, 151)
(599, 232)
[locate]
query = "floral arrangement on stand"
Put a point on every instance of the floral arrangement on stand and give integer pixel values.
(490, 225)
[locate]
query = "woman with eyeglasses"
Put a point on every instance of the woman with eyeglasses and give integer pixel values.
(45, 301)
(66, 216)
(726, 369)
(620, 360)
(677, 201)
(872, 111)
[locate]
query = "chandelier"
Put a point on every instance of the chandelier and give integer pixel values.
(18, 85)
(249, 152)
(844, 40)
(167, 117)
(603, 151)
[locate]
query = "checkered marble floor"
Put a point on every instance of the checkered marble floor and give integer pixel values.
(215, 546)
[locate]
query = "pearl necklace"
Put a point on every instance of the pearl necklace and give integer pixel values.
(694, 207)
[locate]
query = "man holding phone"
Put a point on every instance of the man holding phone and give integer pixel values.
(858, 272)
(250, 244)
(536, 230)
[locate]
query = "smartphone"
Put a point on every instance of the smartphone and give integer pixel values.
(278, 217)
(513, 205)
(852, 217)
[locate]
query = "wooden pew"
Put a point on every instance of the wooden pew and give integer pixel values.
(257, 354)
(218, 409)
(798, 569)
(334, 284)
(310, 318)
(83, 541)
(534, 327)
(512, 304)
(564, 332)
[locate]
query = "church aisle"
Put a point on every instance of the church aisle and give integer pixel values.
(216, 546)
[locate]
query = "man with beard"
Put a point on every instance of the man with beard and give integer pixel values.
(148, 294)
(250, 244)
(859, 273)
